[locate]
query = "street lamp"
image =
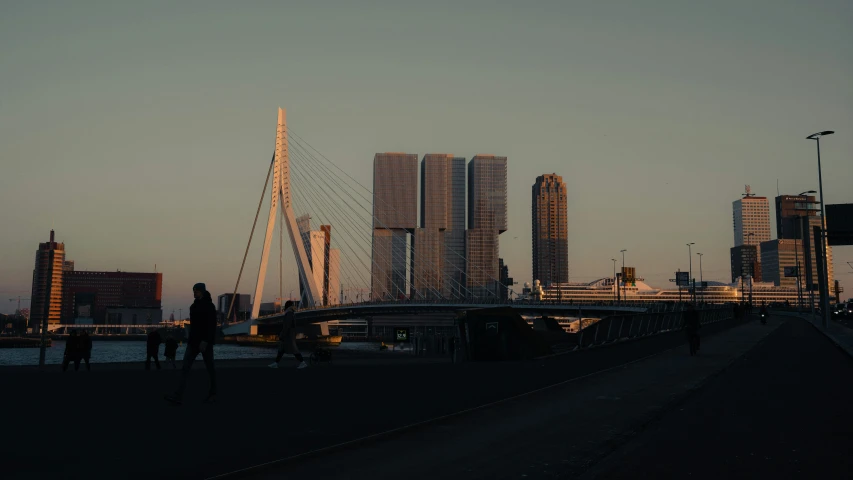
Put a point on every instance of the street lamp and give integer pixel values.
(690, 271)
(624, 292)
(797, 253)
(752, 269)
(615, 285)
(816, 138)
(700, 276)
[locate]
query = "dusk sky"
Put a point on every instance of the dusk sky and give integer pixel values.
(142, 131)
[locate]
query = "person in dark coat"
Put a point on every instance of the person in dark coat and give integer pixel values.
(152, 349)
(287, 338)
(86, 348)
(201, 339)
(692, 325)
(171, 350)
(72, 351)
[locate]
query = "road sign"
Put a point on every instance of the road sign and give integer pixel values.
(682, 278)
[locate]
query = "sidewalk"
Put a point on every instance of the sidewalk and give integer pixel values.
(838, 333)
(556, 431)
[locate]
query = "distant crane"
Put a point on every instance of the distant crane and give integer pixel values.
(19, 303)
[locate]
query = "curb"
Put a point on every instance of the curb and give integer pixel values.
(596, 467)
(847, 350)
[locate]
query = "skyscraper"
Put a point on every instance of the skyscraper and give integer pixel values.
(751, 218)
(46, 298)
(550, 231)
(788, 209)
(487, 219)
(323, 260)
(440, 240)
(395, 217)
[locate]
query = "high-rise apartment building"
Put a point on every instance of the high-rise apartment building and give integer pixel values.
(751, 217)
(46, 298)
(487, 219)
(550, 230)
(323, 260)
(440, 241)
(395, 217)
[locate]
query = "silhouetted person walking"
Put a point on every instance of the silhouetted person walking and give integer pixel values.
(691, 328)
(202, 336)
(86, 348)
(152, 349)
(72, 351)
(171, 350)
(287, 337)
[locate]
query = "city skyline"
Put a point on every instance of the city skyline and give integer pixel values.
(707, 109)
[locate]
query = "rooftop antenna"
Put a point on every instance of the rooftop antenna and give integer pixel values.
(777, 187)
(748, 191)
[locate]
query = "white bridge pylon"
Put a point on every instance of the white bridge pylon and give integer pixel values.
(281, 195)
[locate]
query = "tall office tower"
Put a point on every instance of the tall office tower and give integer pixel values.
(745, 262)
(487, 219)
(46, 298)
(550, 231)
(791, 207)
(395, 217)
(796, 217)
(751, 217)
(440, 240)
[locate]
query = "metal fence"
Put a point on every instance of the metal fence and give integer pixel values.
(622, 327)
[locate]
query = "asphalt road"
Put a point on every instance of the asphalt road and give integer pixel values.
(113, 422)
(782, 411)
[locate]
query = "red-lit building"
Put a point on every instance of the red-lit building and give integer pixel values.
(89, 294)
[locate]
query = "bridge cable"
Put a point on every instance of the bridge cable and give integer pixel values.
(246, 254)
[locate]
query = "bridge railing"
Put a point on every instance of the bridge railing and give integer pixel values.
(622, 327)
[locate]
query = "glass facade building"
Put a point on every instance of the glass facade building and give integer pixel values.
(487, 219)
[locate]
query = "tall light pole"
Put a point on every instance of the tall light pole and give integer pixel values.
(615, 285)
(751, 270)
(700, 276)
(624, 292)
(690, 271)
(797, 253)
(816, 138)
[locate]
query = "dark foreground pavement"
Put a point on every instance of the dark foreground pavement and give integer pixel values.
(113, 422)
(783, 411)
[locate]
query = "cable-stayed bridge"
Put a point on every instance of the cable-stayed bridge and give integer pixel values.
(359, 247)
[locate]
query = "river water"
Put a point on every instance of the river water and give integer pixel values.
(132, 351)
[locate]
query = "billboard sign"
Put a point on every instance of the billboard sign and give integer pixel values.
(839, 224)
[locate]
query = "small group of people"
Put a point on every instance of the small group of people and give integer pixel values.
(153, 350)
(77, 347)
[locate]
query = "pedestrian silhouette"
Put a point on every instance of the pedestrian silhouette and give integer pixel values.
(86, 348)
(202, 336)
(691, 328)
(152, 350)
(171, 350)
(287, 338)
(72, 351)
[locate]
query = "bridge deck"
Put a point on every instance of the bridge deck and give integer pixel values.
(268, 414)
